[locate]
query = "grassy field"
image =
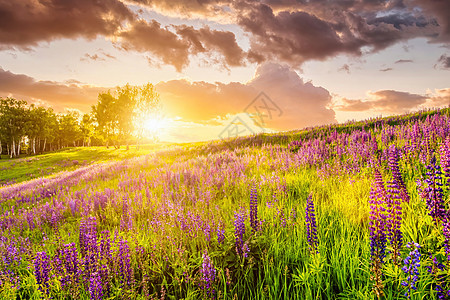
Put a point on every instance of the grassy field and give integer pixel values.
(29, 167)
(299, 215)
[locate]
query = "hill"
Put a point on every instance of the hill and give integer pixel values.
(351, 211)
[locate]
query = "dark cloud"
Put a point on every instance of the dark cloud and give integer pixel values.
(443, 62)
(291, 31)
(401, 61)
(386, 101)
(302, 104)
(294, 36)
(151, 37)
(25, 23)
(223, 42)
(55, 94)
(317, 30)
(441, 10)
(174, 48)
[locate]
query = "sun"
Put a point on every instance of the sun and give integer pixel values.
(155, 125)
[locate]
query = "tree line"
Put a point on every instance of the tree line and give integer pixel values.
(117, 119)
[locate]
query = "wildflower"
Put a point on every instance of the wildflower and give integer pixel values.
(69, 257)
(95, 286)
(377, 228)
(254, 210)
(433, 193)
(446, 231)
(394, 218)
(42, 270)
(123, 258)
(439, 279)
(208, 275)
(220, 235)
(239, 231)
(88, 227)
(445, 159)
(411, 265)
(311, 227)
(398, 180)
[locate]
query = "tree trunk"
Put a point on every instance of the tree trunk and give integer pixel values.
(34, 146)
(13, 149)
(18, 147)
(43, 148)
(1, 149)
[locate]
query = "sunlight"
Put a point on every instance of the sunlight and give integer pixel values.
(154, 125)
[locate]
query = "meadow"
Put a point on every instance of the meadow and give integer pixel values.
(352, 211)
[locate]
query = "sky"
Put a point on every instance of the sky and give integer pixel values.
(224, 68)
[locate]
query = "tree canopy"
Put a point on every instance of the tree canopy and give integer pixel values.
(117, 118)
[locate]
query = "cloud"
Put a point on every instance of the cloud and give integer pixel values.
(302, 104)
(443, 62)
(223, 42)
(25, 23)
(441, 10)
(385, 101)
(174, 48)
(318, 31)
(345, 68)
(438, 98)
(59, 96)
(278, 30)
(402, 61)
(386, 69)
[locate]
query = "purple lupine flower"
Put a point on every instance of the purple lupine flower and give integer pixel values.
(394, 218)
(69, 257)
(445, 159)
(411, 265)
(433, 193)
(239, 231)
(95, 287)
(42, 270)
(124, 263)
(439, 279)
(254, 210)
(88, 227)
(311, 227)
(377, 228)
(446, 232)
(220, 235)
(208, 275)
(398, 180)
(91, 256)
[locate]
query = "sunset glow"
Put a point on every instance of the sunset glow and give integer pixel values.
(210, 60)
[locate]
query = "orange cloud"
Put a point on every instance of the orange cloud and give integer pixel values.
(301, 104)
(58, 95)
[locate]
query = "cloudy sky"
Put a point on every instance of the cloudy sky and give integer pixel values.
(315, 61)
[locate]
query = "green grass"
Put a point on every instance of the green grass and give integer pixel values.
(169, 195)
(28, 167)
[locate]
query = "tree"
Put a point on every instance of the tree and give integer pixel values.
(69, 128)
(146, 106)
(106, 114)
(123, 114)
(13, 117)
(87, 129)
